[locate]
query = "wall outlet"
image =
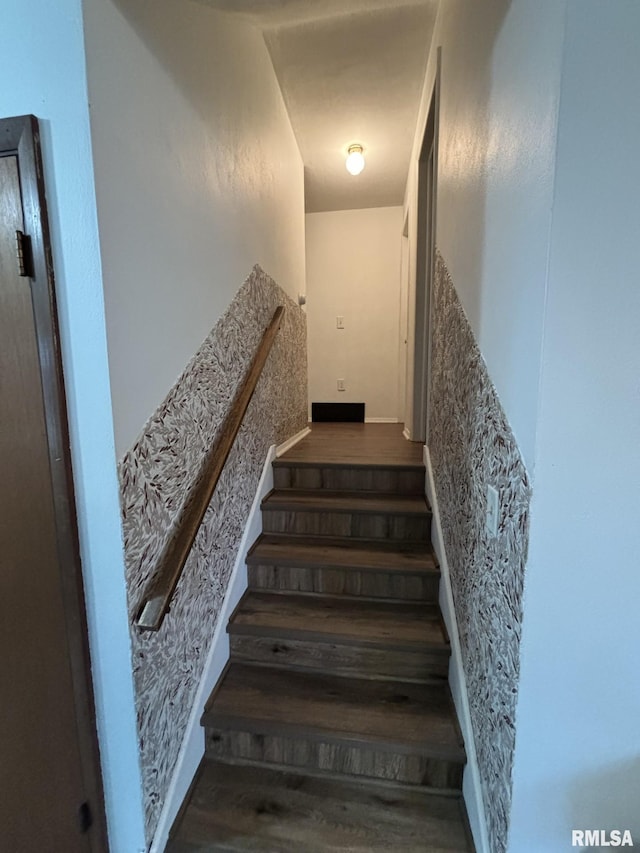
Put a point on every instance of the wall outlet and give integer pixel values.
(493, 511)
(339, 322)
(341, 385)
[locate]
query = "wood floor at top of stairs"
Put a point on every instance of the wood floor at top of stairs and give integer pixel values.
(365, 444)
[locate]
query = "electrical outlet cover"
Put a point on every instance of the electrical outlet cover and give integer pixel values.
(493, 511)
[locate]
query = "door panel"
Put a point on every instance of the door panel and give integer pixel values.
(42, 778)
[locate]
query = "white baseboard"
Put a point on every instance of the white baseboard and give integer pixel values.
(471, 784)
(406, 433)
(381, 420)
(192, 748)
(288, 444)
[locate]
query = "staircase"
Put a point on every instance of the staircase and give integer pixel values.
(332, 727)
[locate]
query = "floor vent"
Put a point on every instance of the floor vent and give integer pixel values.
(337, 413)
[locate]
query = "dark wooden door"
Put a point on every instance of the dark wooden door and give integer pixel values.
(50, 796)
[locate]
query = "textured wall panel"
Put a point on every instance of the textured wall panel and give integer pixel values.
(471, 445)
(155, 475)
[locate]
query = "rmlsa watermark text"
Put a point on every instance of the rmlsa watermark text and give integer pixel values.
(601, 838)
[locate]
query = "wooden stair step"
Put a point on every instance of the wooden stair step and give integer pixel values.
(343, 553)
(386, 729)
(347, 502)
(264, 810)
(349, 476)
(344, 566)
(365, 639)
(370, 622)
(359, 514)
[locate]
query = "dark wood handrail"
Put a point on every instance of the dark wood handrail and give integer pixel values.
(157, 598)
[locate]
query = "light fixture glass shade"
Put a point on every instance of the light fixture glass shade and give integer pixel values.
(355, 160)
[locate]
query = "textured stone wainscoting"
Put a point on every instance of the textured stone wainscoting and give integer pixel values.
(471, 445)
(155, 475)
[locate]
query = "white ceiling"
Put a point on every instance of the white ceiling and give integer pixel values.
(350, 71)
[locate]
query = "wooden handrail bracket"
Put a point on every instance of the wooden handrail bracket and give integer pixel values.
(159, 592)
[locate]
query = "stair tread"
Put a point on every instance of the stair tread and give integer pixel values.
(327, 501)
(384, 556)
(335, 619)
(416, 718)
(363, 465)
(272, 811)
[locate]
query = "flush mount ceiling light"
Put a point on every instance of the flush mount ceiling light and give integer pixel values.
(355, 159)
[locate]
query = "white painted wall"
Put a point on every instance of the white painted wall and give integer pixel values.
(353, 271)
(198, 177)
(499, 98)
(578, 723)
(41, 45)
